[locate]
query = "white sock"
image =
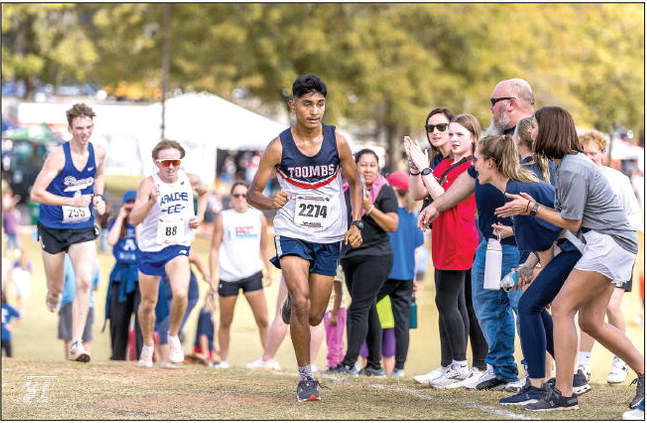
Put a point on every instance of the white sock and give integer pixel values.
(585, 358)
(456, 364)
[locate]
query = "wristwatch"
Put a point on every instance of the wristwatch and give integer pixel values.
(358, 223)
(426, 171)
(533, 209)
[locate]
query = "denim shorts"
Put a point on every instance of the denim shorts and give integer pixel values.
(323, 258)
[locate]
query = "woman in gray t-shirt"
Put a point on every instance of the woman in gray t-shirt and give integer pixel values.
(586, 206)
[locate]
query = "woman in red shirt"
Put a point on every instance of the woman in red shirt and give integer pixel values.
(453, 243)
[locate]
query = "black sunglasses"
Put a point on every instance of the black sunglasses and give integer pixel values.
(442, 127)
(495, 100)
(239, 195)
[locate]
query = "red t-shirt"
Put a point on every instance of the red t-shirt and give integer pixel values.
(454, 237)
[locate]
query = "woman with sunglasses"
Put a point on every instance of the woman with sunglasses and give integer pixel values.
(165, 214)
(453, 240)
(587, 206)
(239, 250)
(436, 129)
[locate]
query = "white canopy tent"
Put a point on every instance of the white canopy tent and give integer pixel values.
(204, 122)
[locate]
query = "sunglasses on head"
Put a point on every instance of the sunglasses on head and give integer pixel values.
(495, 100)
(442, 127)
(239, 195)
(169, 162)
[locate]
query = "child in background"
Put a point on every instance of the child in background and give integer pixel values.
(10, 221)
(335, 320)
(22, 277)
(8, 314)
(65, 313)
(204, 344)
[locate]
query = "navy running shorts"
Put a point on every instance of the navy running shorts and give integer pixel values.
(152, 263)
(323, 258)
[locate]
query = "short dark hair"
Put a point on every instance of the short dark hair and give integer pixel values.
(556, 135)
(308, 83)
(364, 151)
(77, 110)
(440, 110)
(237, 184)
(164, 144)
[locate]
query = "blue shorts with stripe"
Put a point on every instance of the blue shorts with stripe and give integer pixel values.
(323, 258)
(152, 263)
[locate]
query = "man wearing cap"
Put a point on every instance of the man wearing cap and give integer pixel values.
(399, 285)
(70, 181)
(165, 219)
(123, 297)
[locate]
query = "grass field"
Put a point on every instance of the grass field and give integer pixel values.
(121, 391)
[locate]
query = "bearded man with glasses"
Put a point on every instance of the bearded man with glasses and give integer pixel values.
(165, 219)
(511, 101)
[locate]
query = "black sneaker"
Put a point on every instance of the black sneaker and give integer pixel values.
(342, 369)
(640, 391)
(307, 390)
(580, 384)
(286, 309)
(492, 384)
(370, 371)
(554, 400)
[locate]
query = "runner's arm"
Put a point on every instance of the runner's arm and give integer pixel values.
(271, 157)
(265, 250)
(352, 176)
(143, 202)
(203, 194)
(51, 168)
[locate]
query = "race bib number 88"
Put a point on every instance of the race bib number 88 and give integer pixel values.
(312, 212)
(170, 231)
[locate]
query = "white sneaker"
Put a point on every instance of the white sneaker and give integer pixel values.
(220, 365)
(78, 352)
(586, 370)
(475, 374)
(146, 356)
(427, 378)
(176, 354)
(452, 378)
(618, 372)
(263, 365)
(486, 375)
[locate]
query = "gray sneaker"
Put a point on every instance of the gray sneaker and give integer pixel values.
(640, 391)
(286, 309)
(370, 371)
(307, 390)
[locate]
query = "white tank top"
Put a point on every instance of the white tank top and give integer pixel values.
(167, 221)
(240, 249)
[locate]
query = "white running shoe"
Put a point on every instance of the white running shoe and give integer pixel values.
(485, 376)
(618, 373)
(586, 370)
(220, 365)
(176, 354)
(475, 374)
(146, 356)
(427, 378)
(452, 378)
(263, 365)
(78, 352)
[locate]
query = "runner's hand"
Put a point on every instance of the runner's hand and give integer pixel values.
(99, 204)
(280, 199)
(353, 237)
(195, 222)
(155, 193)
(81, 200)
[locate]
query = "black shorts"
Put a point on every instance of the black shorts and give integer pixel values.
(628, 284)
(54, 240)
(249, 284)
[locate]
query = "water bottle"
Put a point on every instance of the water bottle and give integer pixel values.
(510, 281)
(493, 261)
(414, 313)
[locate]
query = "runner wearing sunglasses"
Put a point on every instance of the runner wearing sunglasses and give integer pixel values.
(165, 219)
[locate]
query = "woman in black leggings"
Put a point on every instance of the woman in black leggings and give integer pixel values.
(368, 266)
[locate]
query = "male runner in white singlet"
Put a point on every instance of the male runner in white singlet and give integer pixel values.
(165, 219)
